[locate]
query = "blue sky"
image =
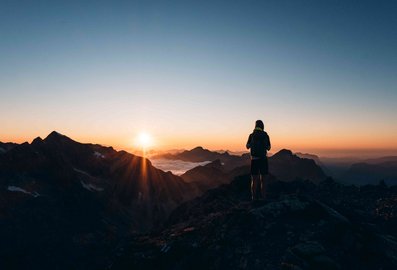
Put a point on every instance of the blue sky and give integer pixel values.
(321, 74)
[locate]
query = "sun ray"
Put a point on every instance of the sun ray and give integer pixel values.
(144, 141)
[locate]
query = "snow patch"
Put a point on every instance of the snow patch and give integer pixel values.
(82, 172)
(99, 155)
(165, 248)
(91, 187)
(18, 189)
(88, 186)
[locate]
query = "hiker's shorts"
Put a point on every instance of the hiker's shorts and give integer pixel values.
(259, 166)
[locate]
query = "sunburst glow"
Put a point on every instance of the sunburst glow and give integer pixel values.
(144, 140)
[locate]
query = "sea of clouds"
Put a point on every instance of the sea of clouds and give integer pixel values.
(177, 167)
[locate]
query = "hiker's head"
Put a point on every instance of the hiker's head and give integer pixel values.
(259, 124)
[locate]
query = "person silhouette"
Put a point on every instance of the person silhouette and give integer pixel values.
(258, 143)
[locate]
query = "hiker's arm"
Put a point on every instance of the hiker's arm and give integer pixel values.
(268, 146)
(249, 142)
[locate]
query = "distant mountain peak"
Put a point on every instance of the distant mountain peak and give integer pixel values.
(37, 140)
(284, 152)
(198, 148)
(54, 135)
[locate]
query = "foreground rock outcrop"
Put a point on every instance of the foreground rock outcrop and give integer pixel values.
(300, 226)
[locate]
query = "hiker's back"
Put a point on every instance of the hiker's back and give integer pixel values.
(259, 143)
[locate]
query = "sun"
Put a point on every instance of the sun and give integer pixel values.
(144, 140)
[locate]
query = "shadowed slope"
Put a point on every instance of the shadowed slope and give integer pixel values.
(58, 197)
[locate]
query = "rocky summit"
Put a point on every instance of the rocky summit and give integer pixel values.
(299, 226)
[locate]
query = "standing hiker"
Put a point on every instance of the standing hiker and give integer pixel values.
(259, 143)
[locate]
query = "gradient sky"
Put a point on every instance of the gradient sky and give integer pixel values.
(321, 74)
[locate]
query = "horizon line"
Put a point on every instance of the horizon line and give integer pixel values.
(318, 151)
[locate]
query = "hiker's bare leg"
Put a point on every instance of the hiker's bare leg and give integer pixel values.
(254, 186)
(263, 186)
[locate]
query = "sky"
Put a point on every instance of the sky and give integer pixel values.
(322, 75)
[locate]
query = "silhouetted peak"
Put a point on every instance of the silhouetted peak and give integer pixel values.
(54, 133)
(198, 148)
(284, 153)
(37, 140)
(55, 136)
(24, 144)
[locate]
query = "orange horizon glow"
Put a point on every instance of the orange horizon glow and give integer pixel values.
(144, 142)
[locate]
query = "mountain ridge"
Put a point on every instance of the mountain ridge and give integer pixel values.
(284, 165)
(59, 196)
